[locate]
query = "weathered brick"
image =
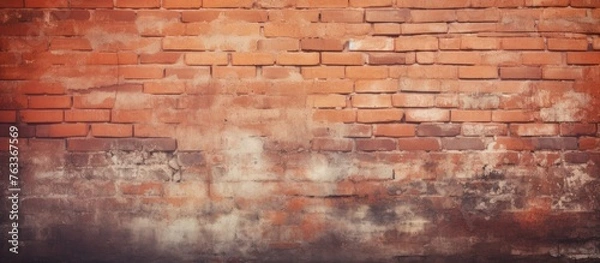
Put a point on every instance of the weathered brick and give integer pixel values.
(520, 73)
(319, 44)
(394, 130)
(94, 115)
(333, 58)
(412, 43)
(577, 129)
(376, 144)
(477, 72)
(342, 16)
(330, 144)
(368, 86)
(335, 115)
(463, 144)
(556, 143)
(419, 144)
(438, 130)
(534, 129)
(471, 115)
(514, 143)
(379, 115)
(411, 100)
(62, 130)
(245, 59)
(427, 115)
(371, 101)
(301, 59)
(387, 15)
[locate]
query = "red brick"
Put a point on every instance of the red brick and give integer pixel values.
(478, 72)
(200, 16)
(421, 16)
(112, 130)
(49, 102)
(563, 73)
(379, 115)
(47, 3)
(577, 129)
(112, 15)
(502, 58)
(459, 58)
(456, 28)
(41, 116)
(335, 115)
(152, 130)
(412, 43)
(286, 29)
(372, 44)
(520, 73)
(371, 3)
(228, 3)
(327, 101)
(463, 144)
(385, 29)
(585, 3)
(331, 87)
(371, 101)
(523, 43)
(367, 72)
(183, 43)
(426, 58)
(14, 3)
(222, 72)
(137, 72)
(541, 58)
(388, 15)
(427, 115)
(589, 143)
(279, 44)
(376, 144)
(394, 130)
(514, 144)
(206, 58)
(332, 58)
(583, 58)
(358, 131)
(424, 28)
(300, 59)
(387, 59)
(160, 58)
(479, 43)
(418, 144)
(534, 129)
(330, 144)
(342, 16)
(182, 3)
(80, 44)
(418, 73)
(131, 116)
(287, 15)
(8, 116)
(322, 3)
(438, 130)
(62, 130)
(411, 100)
(513, 116)
(478, 15)
(138, 3)
(41, 88)
(471, 116)
(567, 44)
(87, 115)
(244, 59)
(142, 188)
(277, 72)
(323, 72)
(318, 44)
(433, 4)
(546, 2)
(362, 86)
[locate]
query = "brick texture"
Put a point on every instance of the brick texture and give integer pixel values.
(302, 130)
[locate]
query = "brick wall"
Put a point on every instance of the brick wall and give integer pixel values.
(316, 130)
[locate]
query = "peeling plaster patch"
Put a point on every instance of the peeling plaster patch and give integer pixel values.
(570, 107)
(101, 39)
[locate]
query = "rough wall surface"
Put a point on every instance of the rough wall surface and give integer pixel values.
(302, 130)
